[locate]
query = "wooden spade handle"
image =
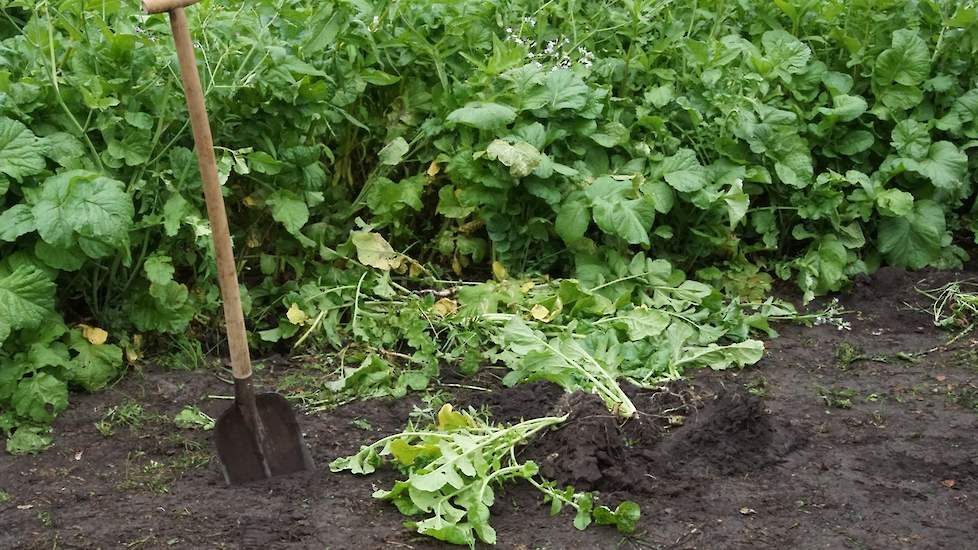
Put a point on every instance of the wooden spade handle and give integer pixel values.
(226, 272)
(160, 6)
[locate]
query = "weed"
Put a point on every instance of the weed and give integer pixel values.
(847, 354)
(130, 414)
(5, 496)
(837, 398)
(363, 424)
(967, 398)
(44, 517)
(758, 386)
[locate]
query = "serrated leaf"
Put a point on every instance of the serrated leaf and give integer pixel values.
(81, 204)
(159, 269)
(29, 440)
(893, 202)
(26, 299)
(915, 240)
(289, 209)
(911, 139)
(93, 366)
(16, 221)
(21, 152)
(786, 54)
(945, 166)
(40, 397)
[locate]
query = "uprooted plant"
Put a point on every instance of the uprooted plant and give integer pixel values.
(452, 467)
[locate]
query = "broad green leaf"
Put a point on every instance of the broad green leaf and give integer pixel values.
(29, 440)
(900, 97)
(911, 139)
(615, 214)
(962, 117)
(611, 134)
(855, 142)
(64, 148)
(845, 107)
(159, 269)
(393, 152)
(906, 62)
(40, 397)
(485, 116)
(93, 366)
(643, 322)
(915, 240)
(449, 205)
(263, 163)
(375, 251)
(561, 89)
(683, 171)
(192, 418)
(15, 222)
(521, 157)
(21, 152)
(945, 166)
(786, 54)
(893, 202)
(719, 357)
(572, 220)
(26, 299)
(289, 209)
(83, 204)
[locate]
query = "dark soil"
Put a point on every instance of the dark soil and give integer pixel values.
(837, 439)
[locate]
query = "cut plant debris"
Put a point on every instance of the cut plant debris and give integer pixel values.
(452, 468)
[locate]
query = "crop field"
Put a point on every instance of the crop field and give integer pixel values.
(534, 274)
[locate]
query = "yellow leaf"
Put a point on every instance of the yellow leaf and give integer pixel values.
(134, 349)
(449, 419)
(375, 251)
(445, 307)
(296, 316)
(456, 265)
(540, 312)
(433, 169)
(499, 271)
(415, 269)
(527, 286)
(251, 201)
(94, 335)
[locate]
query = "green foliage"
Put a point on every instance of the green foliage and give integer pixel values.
(452, 468)
(367, 150)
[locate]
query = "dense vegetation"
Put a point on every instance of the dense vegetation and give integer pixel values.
(623, 179)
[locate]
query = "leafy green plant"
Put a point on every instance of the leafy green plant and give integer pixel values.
(452, 467)
(373, 151)
(192, 418)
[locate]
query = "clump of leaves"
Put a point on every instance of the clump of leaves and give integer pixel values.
(838, 398)
(451, 469)
(130, 414)
(192, 418)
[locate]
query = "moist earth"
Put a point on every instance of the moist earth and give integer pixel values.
(860, 438)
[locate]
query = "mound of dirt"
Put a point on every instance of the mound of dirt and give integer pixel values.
(730, 435)
(594, 450)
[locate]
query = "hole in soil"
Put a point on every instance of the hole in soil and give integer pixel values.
(675, 436)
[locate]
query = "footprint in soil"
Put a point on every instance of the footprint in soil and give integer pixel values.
(595, 451)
